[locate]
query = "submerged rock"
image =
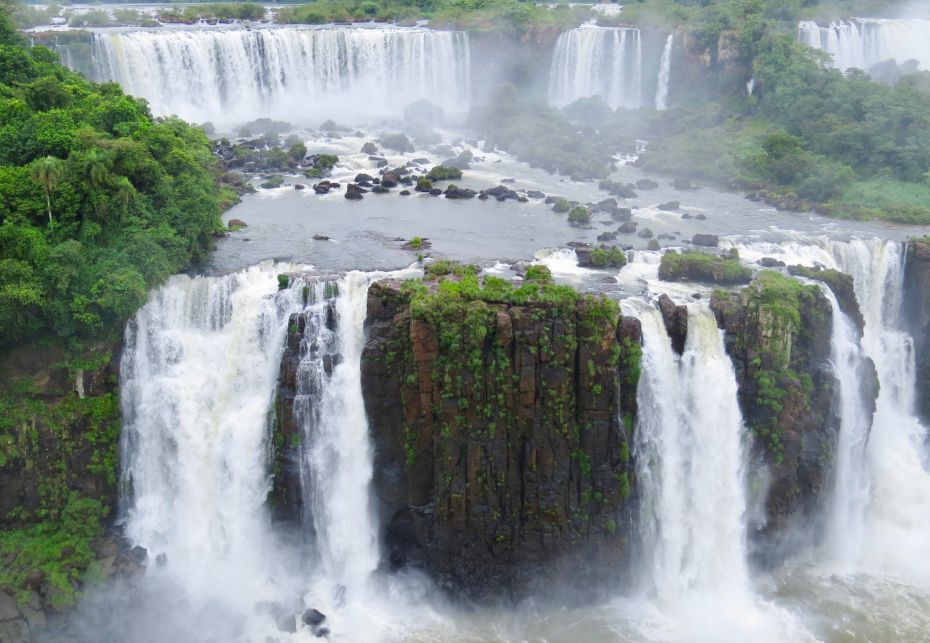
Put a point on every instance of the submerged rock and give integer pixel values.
(313, 617)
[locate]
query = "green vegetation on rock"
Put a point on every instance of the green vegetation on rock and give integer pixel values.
(699, 266)
(444, 173)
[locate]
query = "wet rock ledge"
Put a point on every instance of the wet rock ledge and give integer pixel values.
(501, 461)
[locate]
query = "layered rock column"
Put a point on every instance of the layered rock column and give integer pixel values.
(502, 436)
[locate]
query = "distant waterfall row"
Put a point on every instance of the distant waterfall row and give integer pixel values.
(235, 75)
(609, 63)
(862, 43)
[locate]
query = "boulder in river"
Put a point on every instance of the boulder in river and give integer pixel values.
(236, 224)
(646, 184)
(627, 228)
(313, 617)
(706, 240)
(669, 207)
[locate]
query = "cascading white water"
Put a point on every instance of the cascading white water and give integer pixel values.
(690, 469)
(863, 42)
(897, 537)
(850, 478)
(337, 469)
(230, 76)
(337, 460)
(197, 380)
(690, 456)
(665, 70)
(598, 61)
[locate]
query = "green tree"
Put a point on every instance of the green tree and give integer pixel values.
(48, 172)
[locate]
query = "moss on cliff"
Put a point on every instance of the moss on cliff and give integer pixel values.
(777, 332)
(699, 266)
(508, 449)
(59, 432)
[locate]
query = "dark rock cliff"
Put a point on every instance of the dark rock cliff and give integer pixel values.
(501, 458)
(778, 334)
(58, 433)
(917, 315)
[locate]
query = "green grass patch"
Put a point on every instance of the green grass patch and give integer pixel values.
(59, 552)
(698, 266)
(888, 199)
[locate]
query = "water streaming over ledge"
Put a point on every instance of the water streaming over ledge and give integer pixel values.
(850, 492)
(598, 61)
(863, 42)
(198, 376)
(232, 75)
(691, 454)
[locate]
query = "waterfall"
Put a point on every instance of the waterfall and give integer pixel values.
(337, 458)
(597, 61)
(897, 537)
(197, 380)
(665, 68)
(850, 479)
(863, 42)
(690, 455)
(337, 466)
(232, 75)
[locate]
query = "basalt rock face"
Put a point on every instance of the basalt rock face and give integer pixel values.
(286, 494)
(917, 314)
(502, 438)
(778, 334)
(59, 433)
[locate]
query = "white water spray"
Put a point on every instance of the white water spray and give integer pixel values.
(897, 537)
(665, 70)
(197, 376)
(597, 61)
(863, 42)
(230, 76)
(690, 453)
(851, 478)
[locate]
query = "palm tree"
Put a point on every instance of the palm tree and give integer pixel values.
(95, 168)
(48, 172)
